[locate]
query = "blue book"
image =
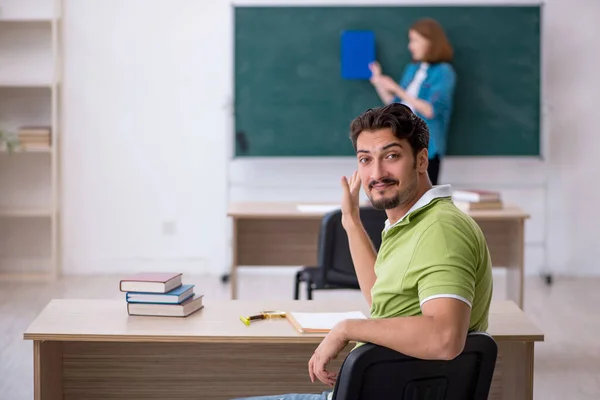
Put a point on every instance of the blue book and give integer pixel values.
(175, 296)
(357, 52)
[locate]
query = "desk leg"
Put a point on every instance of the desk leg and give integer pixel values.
(47, 370)
(513, 376)
(515, 271)
(234, 260)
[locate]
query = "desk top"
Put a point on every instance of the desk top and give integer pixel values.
(273, 210)
(107, 320)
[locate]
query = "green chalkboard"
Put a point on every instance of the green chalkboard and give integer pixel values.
(290, 99)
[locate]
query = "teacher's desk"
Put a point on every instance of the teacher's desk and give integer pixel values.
(91, 349)
(286, 234)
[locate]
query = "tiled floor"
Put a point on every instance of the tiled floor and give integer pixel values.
(567, 365)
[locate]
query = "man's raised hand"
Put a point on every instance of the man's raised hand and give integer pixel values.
(350, 199)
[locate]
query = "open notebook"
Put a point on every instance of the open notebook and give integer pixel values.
(311, 322)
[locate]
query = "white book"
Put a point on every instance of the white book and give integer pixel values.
(312, 322)
(317, 208)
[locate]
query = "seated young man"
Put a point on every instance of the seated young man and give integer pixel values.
(431, 281)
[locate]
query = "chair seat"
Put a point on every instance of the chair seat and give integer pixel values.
(335, 279)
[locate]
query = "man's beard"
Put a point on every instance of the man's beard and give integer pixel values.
(399, 198)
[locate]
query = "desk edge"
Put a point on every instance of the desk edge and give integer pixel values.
(306, 339)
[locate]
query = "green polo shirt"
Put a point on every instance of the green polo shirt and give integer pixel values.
(435, 250)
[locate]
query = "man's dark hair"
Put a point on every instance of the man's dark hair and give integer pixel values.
(399, 118)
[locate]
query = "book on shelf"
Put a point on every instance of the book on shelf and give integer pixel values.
(35, 130)
(151, 282)
(34, 145)
(184, 309)
(35, 137)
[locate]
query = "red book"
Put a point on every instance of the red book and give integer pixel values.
(151, 282)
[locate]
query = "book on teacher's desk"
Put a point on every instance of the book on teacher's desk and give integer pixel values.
(484, 205)
(184, 309)
(151, 282)
(175, 296)
(473, 195)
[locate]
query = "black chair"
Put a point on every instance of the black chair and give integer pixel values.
(335, 269)
(375, 372)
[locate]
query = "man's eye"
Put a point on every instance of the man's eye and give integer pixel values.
(392, 156)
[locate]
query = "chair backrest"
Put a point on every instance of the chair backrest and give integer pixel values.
(335, 259)
(375, 372)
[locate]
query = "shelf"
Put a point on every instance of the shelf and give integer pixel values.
(25, 20)
(30, 61)
(24, 107)
(34, 150)
(25, 213)
(26, 55)
(24, 84)
(26, 276)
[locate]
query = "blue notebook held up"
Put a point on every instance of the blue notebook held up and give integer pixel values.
(175, 296)
(357, 52)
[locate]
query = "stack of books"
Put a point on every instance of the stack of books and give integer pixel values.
(160, 294)
(35, 137)
(468, 200)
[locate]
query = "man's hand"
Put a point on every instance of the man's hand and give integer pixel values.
(328, 350)
(350, 199)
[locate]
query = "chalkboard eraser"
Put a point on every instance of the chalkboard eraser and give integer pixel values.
(242, 141)
(357, 51)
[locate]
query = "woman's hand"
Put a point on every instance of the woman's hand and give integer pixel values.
(385, 94)
(375, 69)
(389, 84)
(375, 73)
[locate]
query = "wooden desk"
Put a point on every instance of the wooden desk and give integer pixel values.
(91, 349)
(279, 234)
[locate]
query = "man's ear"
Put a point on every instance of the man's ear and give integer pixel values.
(423, 160)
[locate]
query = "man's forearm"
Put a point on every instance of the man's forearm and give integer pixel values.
(363, 256)
(420, 336)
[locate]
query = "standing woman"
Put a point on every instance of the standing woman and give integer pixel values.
(427, 85)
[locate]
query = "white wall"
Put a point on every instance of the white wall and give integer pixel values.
(147, 132)
(572, 84)
(144, 135)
